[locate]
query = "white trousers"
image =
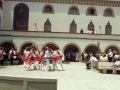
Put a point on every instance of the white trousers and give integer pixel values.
(27, 65)
(59, 62)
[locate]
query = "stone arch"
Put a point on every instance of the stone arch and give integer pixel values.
(112, 12)
(7, 44)
(77, 12)
(25, 44)
(52, 44)
(21, 17)
(48, 5)
(89, 48)
(91, 8)
(113, 47)
(69, 48)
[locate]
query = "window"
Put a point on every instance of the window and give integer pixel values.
(91, 11)
(108, 12)
(73, 10)
(73, 27)
(47, 25)
(48, 9)
(21, 17)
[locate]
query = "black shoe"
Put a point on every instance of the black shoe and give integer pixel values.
(88, 68)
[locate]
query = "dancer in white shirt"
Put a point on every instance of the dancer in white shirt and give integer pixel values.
(27, 58)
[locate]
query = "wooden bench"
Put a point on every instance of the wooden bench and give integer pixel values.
(106, 66)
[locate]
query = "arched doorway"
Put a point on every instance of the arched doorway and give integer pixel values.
(112, 47)
(21, 17)
(92, 48)
(7, 46)
(71, 52)
(23, 47)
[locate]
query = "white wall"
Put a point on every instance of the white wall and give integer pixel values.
(60, 20)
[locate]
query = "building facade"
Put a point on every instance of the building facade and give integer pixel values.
(59, 22)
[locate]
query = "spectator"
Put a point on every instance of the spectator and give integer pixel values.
(81, 31)
(92, 58)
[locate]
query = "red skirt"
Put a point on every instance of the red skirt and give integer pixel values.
(54, 59)
(41, 60)
(27, 60)
(59, 58)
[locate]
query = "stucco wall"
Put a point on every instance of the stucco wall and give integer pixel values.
(60, 39)
(60, 20)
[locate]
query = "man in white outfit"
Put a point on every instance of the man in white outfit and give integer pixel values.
(47, 57)
(89, 62)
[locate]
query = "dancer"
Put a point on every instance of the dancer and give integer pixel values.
(27, 58)
(41, 59)
(12, 54)
(35, 55)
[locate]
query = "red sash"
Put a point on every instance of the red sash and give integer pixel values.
(41, 58)
(36, 57)
(58, 57)
(27, 59)
(12, 53)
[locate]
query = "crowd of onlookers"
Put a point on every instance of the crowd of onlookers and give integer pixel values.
(109, 56)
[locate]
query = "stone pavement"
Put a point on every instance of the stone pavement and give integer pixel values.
(76, 77)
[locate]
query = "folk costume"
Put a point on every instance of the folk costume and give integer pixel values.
(2, 53)
(35, 61)
(27, 59)
(12, 53)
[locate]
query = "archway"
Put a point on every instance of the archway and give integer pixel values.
(112, 47)
(52, 44)
(92, 48)
(71, 52)
(21, 17)
(24, 45)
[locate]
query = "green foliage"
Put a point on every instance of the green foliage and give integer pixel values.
(96, 68)
(6, 61)
(65, 62)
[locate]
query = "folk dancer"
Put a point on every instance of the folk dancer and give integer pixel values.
(35, 55)
(27, 58)
(2, 53)
(54, 58)
(41, 59)
(12, 53)
(59, 58)
(47, 57)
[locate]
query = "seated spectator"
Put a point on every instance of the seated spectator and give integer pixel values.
(115, 65)
(116, 56)
(92, 58)
(105, 58)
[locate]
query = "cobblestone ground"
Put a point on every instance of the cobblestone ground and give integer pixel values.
(75, 77)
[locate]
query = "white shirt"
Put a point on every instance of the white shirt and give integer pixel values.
(35, 54)
(47, 54)
(93, 59)
(13, 52)
(101, 58)
(117, 63)
(110, 54)
(27, 54)
(116, 56)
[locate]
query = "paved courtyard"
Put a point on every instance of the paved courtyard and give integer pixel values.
(75, 77)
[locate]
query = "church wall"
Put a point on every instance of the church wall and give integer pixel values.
(61, 20)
